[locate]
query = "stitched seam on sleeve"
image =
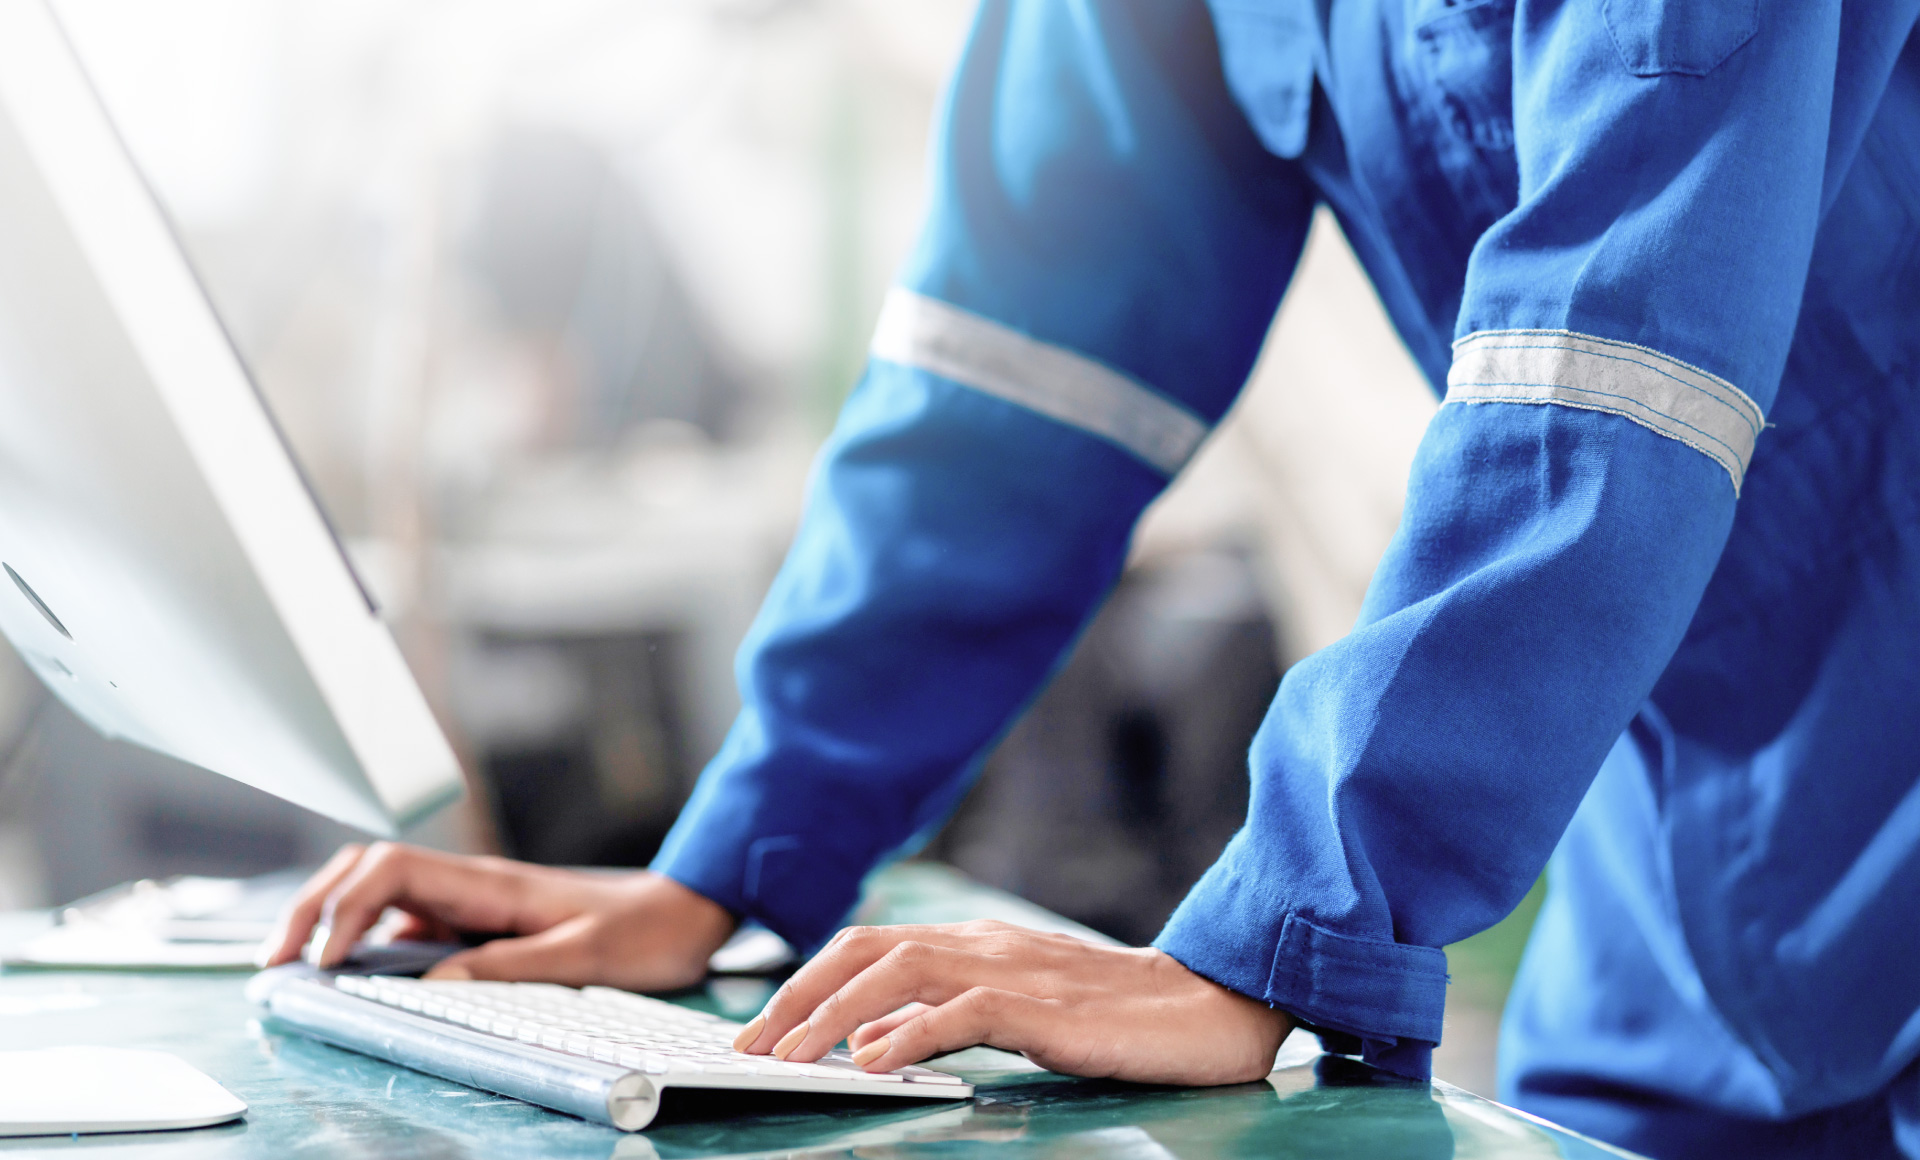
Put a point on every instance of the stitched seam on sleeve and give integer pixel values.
(1656, 369)
(1669, 397)
(1481, 335)
(1728, 451)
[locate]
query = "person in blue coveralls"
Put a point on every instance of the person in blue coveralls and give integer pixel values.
(1653, 609)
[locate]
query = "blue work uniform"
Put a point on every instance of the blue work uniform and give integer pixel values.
(1654, 600)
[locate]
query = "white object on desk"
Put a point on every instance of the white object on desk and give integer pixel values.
(95, 946)
(183, 923)
(57, 1091)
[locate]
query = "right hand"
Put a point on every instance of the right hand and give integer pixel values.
(641, 931)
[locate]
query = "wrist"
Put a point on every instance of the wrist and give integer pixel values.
(706, 923)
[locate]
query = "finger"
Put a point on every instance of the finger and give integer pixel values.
(303, 911)
(484, 894)
(564, 953)
(422, 928)
(376, 881)
(982, 1015)
(853, 950)
(868, 1032)
(911, 972)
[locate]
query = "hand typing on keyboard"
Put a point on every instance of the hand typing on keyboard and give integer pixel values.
(640, 931)
(900, 994)
(897, 994)
(683, 1047)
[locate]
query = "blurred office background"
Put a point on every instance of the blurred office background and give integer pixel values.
(555, 303)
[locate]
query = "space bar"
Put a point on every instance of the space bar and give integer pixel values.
(580, 1087)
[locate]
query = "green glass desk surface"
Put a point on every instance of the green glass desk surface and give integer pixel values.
(310, 1100)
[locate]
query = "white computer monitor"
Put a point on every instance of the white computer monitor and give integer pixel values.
(168, 573)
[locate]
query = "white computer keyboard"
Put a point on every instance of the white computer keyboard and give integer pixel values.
(679, 1046)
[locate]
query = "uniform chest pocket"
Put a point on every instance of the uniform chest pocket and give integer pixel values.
(1267, 52)
(1688, 37)
(1458, 62)
(1463, 59)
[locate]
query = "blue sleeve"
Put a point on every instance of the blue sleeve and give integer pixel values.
(1622, 331)
(1106, 244)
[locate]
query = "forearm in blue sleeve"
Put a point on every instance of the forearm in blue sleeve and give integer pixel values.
(1621, 333)
(1411, 780)
(952, 548)
(1105, 245)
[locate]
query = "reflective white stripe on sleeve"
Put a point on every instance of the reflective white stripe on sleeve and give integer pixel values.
(1675, 399)
(956, 344)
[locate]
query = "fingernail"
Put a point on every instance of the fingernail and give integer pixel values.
(452, 971)
(789, 1042)
(315, 950)
(872, 1051)
(749, 1033)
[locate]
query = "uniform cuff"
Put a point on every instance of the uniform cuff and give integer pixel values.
(739, 846)
(1383, 1001)
(800, 893)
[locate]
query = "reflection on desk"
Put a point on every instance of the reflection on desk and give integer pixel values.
(309, 1100)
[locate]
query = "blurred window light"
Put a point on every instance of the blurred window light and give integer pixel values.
(194, 84)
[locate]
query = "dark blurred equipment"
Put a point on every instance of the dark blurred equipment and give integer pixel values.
(599, 765)
(1127, 776)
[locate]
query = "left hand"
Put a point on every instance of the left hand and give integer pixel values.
(899, 994)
